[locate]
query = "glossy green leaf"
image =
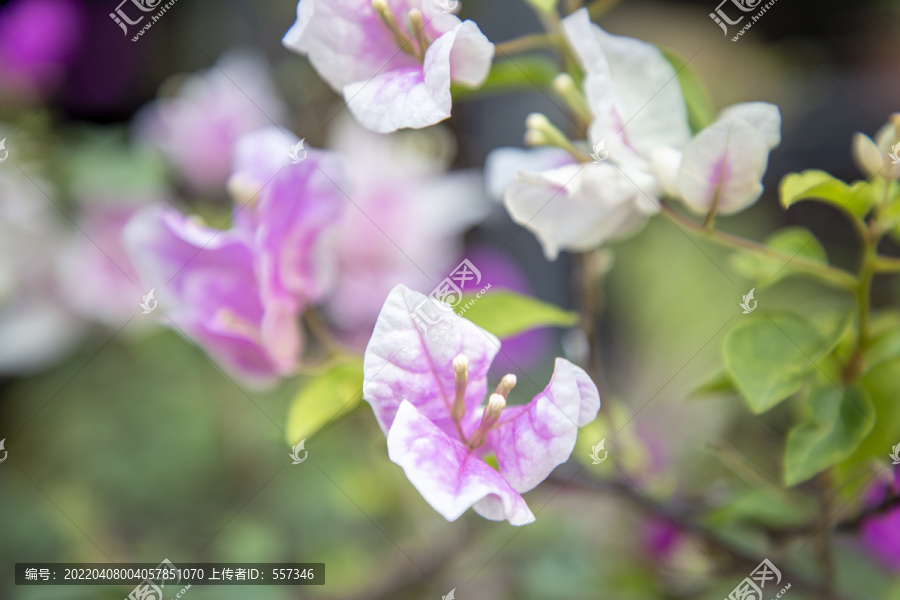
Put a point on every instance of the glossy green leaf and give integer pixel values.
(696, 97)
(769, 355)
(766, 270)
(838, 422)
(324, 398)
(856, 199)
(882, 384)
(506, 313)
(718, 384)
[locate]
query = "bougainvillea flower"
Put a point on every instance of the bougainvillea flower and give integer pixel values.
(393, 60)
(198, 127)
(427, 396)
(238, 293)
(205, 282)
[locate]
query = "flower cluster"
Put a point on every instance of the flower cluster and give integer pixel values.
(639, 122)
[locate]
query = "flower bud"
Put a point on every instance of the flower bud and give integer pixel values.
(506, 385)
(461, 371)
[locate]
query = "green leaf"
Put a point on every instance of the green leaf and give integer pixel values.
(882, 384)
(525, 73)
(323, 398)
(506, 313)
(838, 422)
(766, 270)
(547, 6)
(696, 97)
(857, 200)
(718, 384)
(763, 507)
(769, 355)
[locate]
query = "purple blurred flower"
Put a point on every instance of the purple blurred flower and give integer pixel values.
(37, 39)
(198, 128)
(660, 538)
(391, 77)
(427, 397)
(880, 533)
(238, 293)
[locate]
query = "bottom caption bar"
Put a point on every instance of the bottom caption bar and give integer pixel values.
(168, 575)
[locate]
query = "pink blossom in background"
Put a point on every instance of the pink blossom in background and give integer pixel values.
(37, 40)
(198, 127)
(660, 538)
(403, 223)
(239, 293)
(428, 396)
(389, 85)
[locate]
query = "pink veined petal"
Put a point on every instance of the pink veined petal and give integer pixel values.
(450, 477)
(401, 98)
(404, 363)
(346, 40)
(727, 159)
(532, 440)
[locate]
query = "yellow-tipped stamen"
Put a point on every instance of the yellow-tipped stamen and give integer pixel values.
(461, 369)
(496, 404)
(417, 26)
(403, 40)
(541, 132)
(564, 85)
(506, 385)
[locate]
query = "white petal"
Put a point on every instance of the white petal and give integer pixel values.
(765, 117)
(579, 207)
(471, 56)
(728, 160)
(666, 163)
(630, 86)
(503, 164)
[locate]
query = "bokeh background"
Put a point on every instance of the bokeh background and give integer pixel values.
(126, 444)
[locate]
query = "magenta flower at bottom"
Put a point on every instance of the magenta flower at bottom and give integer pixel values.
(427, 397)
